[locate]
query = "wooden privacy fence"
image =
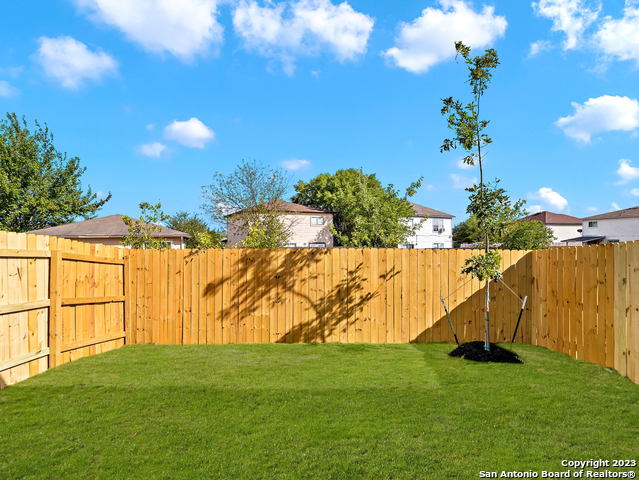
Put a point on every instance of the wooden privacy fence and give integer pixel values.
(586, 304)
(61, 300)
(315, 295)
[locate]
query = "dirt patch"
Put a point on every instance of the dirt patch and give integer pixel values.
(475, 351)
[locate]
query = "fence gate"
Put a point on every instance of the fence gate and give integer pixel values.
(60, 300)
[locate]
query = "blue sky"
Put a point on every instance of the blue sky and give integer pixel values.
(154, 97)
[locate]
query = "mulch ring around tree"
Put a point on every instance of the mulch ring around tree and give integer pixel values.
(475, 351)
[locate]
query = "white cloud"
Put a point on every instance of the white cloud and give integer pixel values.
(6, 89)
(70, 61)
(539, 46)
(601, 114)
(461, 181)
(154, 149)
(430, 38)
(615, 206)
(295, 164)
(534, 209)
(571, 17)
(592, 209)
(619, 38)
(181, 28)
(550, 198)
(191, 133)
(634, 192)
(303, 27)
(626, 171)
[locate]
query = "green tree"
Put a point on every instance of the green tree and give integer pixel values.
(143, 233)
(39, 185)
(517, 235)
(366, 213)
(466, 232)
(265, 230)
(252, 193)
(202, 237)
(527, 235)
(488, 203)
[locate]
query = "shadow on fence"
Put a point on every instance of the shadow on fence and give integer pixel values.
(468, 316)
(309, 312)
(279, 292)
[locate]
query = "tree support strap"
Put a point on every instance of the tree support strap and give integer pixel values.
(450, 323)
(521, 312)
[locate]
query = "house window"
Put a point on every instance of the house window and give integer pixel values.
(438, 245)
(318, 220)
(594, 224)
(409, 245)
(438, 225)
(317, 245)
(290, 245)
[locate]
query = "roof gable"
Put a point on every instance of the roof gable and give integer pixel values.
(289, 207)
(550, 218)
(632, 212)
(421, 211)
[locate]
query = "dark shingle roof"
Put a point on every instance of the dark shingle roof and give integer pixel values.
(625, 213)
(550, 218)
(421, 211)
(102, 227)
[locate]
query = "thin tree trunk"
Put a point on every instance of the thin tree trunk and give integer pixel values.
(487, 320)
(487, 239)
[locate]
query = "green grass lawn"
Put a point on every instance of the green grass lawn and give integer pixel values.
(312, 412)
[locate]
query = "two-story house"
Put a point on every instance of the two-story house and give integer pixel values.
(562, 226)
(434, 229)
(611, 227)
(308, 227)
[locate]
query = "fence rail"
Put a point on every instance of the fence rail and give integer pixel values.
(61, 300)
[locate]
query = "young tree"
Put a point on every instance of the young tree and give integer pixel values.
(486, 201)
(265, 230)
(252, 192)
(202, 237)
(366, 214)
(143, 233)
(39, 185)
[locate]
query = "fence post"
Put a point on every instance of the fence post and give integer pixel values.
(620, 306)
(55, 309)
(127, 278)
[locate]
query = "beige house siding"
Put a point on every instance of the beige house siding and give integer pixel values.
(303, 231)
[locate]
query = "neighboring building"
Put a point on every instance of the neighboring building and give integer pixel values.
(562, 226)
(309, 227)
(612, 227)
(108, 231)
(434, 229)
